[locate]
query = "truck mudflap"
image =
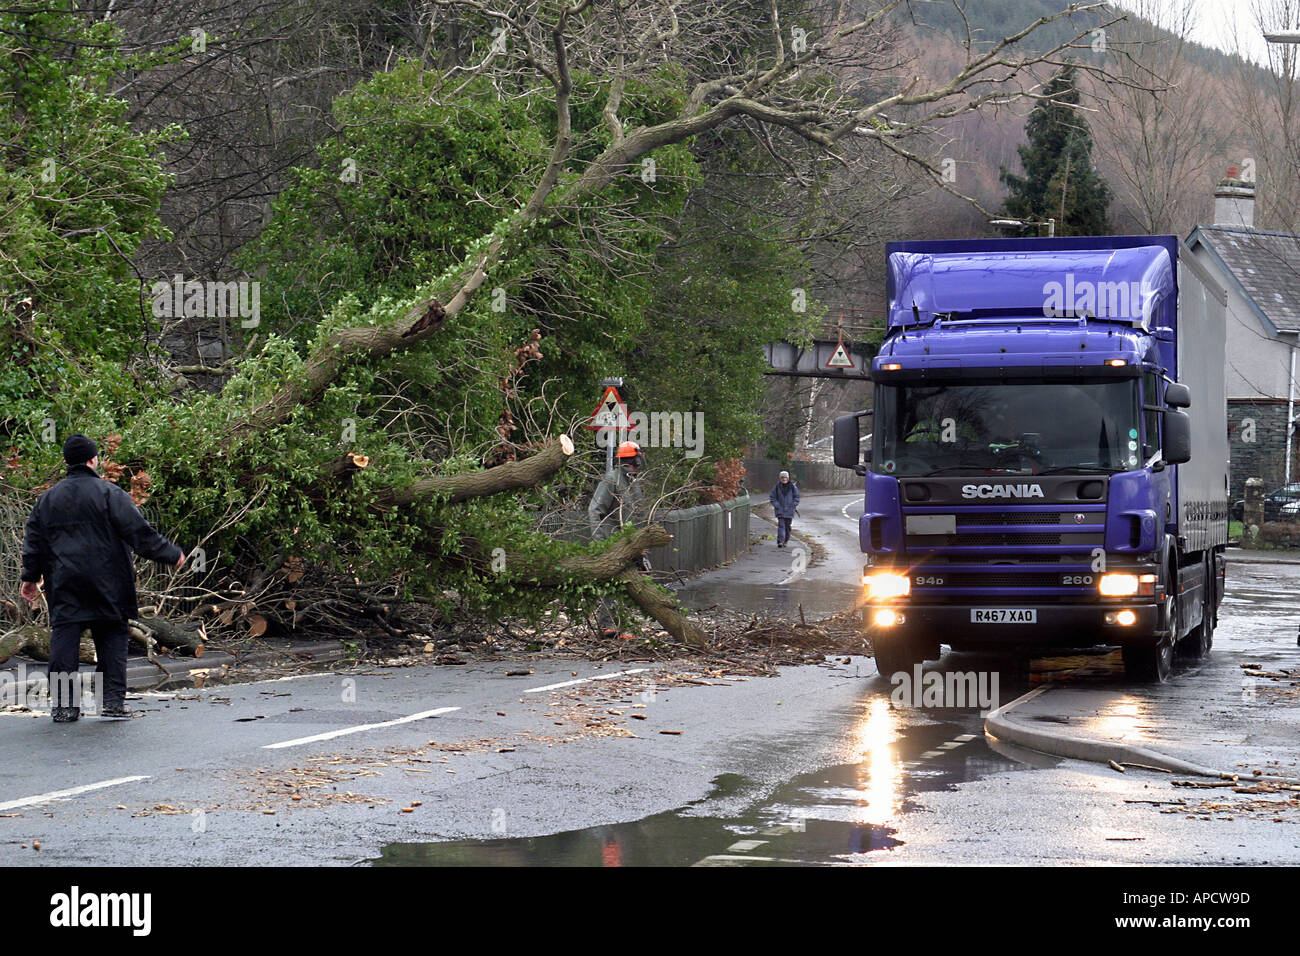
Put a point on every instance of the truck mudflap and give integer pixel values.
(1066, 625)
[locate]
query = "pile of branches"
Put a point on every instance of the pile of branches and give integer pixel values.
(737, 643)
(291, 597)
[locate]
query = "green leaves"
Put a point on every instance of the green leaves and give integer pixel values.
(81, 190)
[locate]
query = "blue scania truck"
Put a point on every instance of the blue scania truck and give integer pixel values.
(1048, 454)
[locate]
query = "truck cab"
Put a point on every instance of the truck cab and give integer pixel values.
(1048, 463)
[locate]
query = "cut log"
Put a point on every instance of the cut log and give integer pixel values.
(345, 466)
(34, 641)
(172, 635)
(526, 473)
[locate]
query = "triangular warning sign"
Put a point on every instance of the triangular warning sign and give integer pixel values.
(610, 413)
(840, 357)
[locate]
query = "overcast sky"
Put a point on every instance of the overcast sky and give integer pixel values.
(1216, 19)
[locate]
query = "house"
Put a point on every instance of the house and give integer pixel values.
(1260, 270)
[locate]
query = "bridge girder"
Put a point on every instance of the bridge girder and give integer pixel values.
(788, 359)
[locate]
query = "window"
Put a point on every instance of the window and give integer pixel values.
(1150, 418)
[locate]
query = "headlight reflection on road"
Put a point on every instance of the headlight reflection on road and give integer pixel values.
(1123, 718)
(880, 776)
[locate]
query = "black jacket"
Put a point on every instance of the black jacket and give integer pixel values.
(79, 539)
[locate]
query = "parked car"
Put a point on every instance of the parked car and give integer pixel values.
(1282, 504)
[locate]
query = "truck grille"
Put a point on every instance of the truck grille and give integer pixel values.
(1003, 540)
(1020, 517)
(1081, 528)
(991, 579)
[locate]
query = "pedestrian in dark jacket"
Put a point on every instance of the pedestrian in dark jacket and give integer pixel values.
(785, 501)
(80, 536)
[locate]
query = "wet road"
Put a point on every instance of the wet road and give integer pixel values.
(926, 785)
(818, 572)
(610, 765)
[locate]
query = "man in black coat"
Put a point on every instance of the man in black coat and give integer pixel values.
(79, 540)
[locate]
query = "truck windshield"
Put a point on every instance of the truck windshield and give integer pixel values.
(1006, 428)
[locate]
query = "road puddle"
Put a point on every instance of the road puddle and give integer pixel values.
(840, 815)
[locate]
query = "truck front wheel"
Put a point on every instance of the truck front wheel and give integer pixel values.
(895, 653)
(1149, 663)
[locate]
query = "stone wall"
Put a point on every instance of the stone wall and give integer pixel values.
(1265, 456)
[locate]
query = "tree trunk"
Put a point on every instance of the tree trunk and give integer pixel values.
(655, 602)
(606, 565)
(527, 473)
(171, 635)
(34, 640)
(618, 561)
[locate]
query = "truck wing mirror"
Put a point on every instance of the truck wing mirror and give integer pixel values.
(1178, 396)
(1178, 437)
(846, 448)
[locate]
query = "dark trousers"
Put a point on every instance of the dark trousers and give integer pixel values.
(110, 647)
(782, 530)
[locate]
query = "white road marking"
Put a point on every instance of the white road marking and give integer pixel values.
(1030, 695)
(583, 680)
(281, 680)
(71, 792)
(744, 846)
(929, 753)
(965, 738)
(724, 859)
(330, 735)
(845, 510)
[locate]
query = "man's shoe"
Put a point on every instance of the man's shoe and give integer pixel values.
(66, 715)
(119, 712)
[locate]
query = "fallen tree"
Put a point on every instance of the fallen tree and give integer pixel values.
(34, 641)
(268, 472)
(617, 562)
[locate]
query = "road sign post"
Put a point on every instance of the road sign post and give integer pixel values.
(840, 358)
(610, 419)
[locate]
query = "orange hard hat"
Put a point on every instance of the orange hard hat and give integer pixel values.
(629, 449)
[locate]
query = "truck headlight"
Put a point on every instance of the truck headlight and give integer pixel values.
(882, 585)
(1118, 585)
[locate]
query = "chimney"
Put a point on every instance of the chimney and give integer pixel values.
(1234, 202)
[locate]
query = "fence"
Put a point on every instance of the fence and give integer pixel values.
(761, 475)
(704, 536)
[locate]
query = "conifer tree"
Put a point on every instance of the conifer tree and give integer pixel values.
(1059, 181)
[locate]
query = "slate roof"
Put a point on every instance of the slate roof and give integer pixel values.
(1266, 265)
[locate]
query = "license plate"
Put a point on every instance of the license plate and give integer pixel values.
(931, 524)
(1004, 615)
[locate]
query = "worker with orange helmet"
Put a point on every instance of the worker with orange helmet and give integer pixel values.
(616, 502)
(617, 498)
